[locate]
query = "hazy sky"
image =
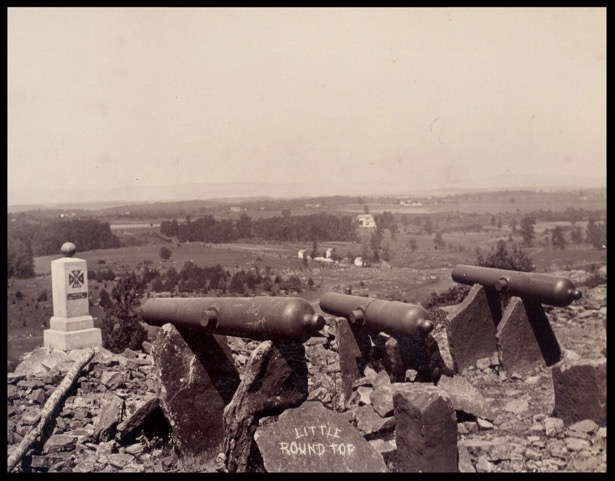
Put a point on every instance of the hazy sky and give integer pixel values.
(103, 98)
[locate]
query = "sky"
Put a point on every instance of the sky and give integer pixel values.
(105, 103)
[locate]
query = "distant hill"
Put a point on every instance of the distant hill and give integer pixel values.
(231, 192)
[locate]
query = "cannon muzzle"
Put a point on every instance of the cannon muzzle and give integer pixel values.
(393, 317)
(258, 318)
(543, 288)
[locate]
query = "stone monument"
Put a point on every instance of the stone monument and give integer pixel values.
(71, 326)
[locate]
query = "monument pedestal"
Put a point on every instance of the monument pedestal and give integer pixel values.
(77, 339)
(71, 327)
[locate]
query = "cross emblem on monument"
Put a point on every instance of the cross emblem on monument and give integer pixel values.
(75, 279)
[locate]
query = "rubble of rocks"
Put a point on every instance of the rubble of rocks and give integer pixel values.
(112, 422)
(95, 429)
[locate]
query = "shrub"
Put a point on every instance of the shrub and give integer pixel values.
(454, 295)
(237, 282)
(293, 284)
(105, 301)
(121, 327)
(42, 296)
(157, 284)
(594, 279)
(517, 260)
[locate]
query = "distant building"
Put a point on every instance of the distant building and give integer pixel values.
(302, 253)
(358, 261)
(366, 220)
(329, 252)
(236, 209)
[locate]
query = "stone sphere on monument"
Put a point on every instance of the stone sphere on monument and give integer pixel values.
(68, 249)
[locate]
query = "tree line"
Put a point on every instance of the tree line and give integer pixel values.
(301, 228)
(28, 239)
(46, 237)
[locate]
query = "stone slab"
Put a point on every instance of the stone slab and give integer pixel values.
(275, 378)
(109, 418)
(471, 329)
(196, 378)
(465, 397)
(370, 423)
(580, 391)
(353, 347)
(525, 338)
(381, 398)
(67, 341)
(314, 439)
(426, 431)
(59, 443)
(72, 324)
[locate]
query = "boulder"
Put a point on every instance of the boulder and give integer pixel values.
(312, 438)
(425, 430)
(465, 397)
(580, 391)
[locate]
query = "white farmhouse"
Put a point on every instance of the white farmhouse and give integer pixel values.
(366, 220)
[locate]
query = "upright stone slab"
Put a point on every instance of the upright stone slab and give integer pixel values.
(196, 379)
(314, 439)
(354, 348)
(471, 330)
(525, 338)
(71, 326)
(275, 378)
(580, 390)
(426, 431)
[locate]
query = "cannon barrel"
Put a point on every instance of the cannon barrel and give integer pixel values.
(546, 289)
(393, 317)
(258, 318)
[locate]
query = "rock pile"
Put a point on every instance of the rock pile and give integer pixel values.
(112, 420)
(109, 422)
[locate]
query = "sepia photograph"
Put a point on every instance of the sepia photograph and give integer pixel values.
(306, 239)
